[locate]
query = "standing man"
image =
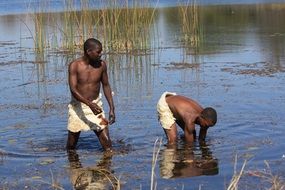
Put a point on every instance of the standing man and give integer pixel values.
(85, 111)
(186, 113)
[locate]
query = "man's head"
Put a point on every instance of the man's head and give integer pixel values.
(92, 49)
(210, 116)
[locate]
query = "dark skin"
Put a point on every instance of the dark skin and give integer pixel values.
(187, 113)
(85, 76)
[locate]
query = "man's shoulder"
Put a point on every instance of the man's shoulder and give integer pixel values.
(103, 62)
(77, 62)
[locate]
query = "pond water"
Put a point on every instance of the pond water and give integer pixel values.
(238, 69)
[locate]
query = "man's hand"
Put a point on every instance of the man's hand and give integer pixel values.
(95, 108)
(103, 120)
(112, 117)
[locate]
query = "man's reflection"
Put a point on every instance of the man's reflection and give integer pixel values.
(188, 161)
(94, 177)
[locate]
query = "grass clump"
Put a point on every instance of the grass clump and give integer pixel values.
(121, 26)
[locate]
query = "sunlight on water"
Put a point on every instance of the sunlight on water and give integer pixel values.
(234, 62)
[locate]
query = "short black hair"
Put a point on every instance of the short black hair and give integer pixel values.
(209, 114)
(91, 43)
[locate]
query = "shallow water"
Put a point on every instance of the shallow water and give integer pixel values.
(239, 70)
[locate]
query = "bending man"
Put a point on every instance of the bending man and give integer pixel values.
(186, 113)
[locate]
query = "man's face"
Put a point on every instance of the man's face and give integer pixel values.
(95, 53)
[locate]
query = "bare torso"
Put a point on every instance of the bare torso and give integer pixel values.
(88, 78)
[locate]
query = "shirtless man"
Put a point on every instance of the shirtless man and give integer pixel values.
(85, 76)
(186, 113)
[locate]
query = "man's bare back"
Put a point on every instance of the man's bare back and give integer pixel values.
(183, 108)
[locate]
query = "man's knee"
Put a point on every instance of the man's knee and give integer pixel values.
(105, 139)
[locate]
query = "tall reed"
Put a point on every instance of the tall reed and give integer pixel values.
(156, 150)
(121, 26)
(124, 27)
(192, 29)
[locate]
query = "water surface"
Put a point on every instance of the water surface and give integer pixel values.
(238, 69)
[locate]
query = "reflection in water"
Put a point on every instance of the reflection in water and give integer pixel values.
(187, 162)
(132, 75)
(41, 74)
(231, 34)
(211, 30)
(94, 177)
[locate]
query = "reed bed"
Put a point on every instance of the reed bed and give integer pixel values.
(122, 27)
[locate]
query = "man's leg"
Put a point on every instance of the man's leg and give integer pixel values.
(72, 140)
(104, 138)
(171, 134)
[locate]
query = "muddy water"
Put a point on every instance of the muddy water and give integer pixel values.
(238, 69)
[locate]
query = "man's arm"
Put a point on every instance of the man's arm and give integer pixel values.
(72, 80)
(203, 133)
(108, 93)
(189, 130)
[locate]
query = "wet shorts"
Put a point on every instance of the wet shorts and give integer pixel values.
(165, 115)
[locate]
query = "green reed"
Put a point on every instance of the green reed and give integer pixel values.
(40, 35)
(192, 29)
(122, 27)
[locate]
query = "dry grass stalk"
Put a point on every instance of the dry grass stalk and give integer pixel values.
(54, 184)
(236, 177)
(115, 182)
(156, 150)
(275, 181)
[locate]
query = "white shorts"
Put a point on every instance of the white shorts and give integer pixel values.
(81, 117)
(165, 116)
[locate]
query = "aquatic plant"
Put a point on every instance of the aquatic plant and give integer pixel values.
(236, 177)
(275, 182)
(124, 27)
(121, 26)
(156, 150)
(192, 30)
